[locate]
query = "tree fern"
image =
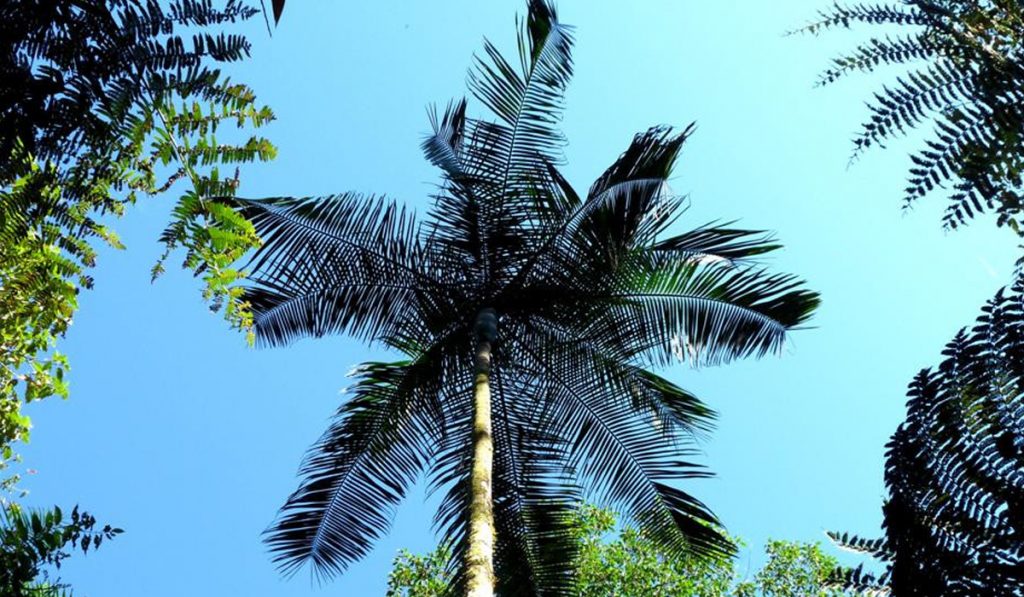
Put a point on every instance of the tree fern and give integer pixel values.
(954, 517)
(965, 77)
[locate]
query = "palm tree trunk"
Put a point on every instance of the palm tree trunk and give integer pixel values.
(480, 552)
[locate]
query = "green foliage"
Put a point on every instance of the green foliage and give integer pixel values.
(212, 234)
(591, 292)
(141, 116)
(32, 543)
(420, 576)
(631, 565)
(634, 565)
(954, 517)
(41, 269)
(793, 569)
(966, 78)
(83, 139)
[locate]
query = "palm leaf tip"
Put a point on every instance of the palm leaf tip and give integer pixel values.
(684, 526)
(713, 243)
(548, 35)
(680, 407)
(628, 206)
(651, 155)
(442, 147)
(529, 101)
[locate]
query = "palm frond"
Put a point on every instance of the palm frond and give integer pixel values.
(341, 263)
(628, 205)
(623, 455)
(527, 101)
(510, 156)
(706, 313)
(718, 243)
(358, 472)
(675, 411)
(629, 198)
(444, 146)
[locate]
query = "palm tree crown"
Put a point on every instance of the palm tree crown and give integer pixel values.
(577, 296)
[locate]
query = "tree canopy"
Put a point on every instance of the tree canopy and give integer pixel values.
(553, 305)
(101, 101)
(622, 561)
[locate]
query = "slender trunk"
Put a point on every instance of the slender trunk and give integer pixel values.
(480, 552)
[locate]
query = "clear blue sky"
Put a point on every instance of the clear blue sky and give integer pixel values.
(190, 441)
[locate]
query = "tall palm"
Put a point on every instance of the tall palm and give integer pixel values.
(519, 297)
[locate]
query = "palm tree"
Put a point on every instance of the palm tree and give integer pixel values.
(521, 298)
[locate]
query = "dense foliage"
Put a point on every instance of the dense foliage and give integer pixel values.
(38, 297)
(589, 292)
(965, 79)
(629, 565)
(100, 101)
(954, 517)
(32, 544)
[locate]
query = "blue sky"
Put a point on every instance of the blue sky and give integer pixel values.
(179, 433)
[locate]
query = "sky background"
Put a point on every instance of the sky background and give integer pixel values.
(187, 439)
